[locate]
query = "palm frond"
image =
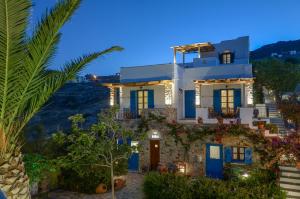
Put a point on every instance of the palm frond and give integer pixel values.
(13, 21)
(56, 79)
(41, 48)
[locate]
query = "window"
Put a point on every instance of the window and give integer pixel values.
(142, 101)
(226, 58)
(214, 152)
(227, 101)
(238, 153)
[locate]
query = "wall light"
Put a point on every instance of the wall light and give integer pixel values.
(112, 97)
(197, 94)
(168, 93)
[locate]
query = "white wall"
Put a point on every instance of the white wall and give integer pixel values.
(146, 72)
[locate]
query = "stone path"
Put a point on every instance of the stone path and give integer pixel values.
(133, 190)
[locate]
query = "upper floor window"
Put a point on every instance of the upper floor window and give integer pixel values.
(226, 57)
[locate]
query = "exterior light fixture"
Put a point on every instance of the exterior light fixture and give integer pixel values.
(168, 93)
(155, 135)
(197, 94)
(182, 168)
(112, 97)
(249, 91)
(245, 175)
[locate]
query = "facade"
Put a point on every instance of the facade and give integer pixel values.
(216, 84)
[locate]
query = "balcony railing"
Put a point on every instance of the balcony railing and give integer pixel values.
(169, 113)
(231, 113)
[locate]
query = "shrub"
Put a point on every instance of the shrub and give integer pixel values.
(38, 167)
(166, 186)
(260, 185)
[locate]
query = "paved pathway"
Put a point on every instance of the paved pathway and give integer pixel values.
(133, 190)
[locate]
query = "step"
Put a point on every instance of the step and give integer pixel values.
(287, 168)
(293, 194)
(289, 180)
(290, 175)
(290, 186)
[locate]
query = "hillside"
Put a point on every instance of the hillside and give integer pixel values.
(281, 49)
(86, 98)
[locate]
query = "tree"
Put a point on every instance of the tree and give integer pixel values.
(87, 151)
(110, 149)
(276, 75)
(26, 83)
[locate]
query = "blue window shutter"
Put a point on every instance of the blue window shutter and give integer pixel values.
(217, 101)
(129, 141)
(237, 98)
(133, 102)
(248, 155)
(150, 98)
(228, 154)
(120, 141)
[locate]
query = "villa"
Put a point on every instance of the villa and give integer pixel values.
(216, 85)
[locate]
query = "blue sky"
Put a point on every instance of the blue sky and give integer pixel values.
(148, 28)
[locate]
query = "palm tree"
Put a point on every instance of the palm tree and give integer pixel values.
(26, 83)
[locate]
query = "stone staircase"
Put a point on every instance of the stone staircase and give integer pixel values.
(289, 181)
(275, 118)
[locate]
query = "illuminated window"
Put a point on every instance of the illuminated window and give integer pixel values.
(226, 58)
(238, 153)
(227, 101)
(214, 152)
(142, 101)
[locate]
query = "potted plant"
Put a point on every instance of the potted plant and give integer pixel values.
(101, 188)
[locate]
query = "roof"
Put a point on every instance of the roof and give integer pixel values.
(191, 48)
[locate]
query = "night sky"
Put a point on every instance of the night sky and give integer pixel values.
(148, 28)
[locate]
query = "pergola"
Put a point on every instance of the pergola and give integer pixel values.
(192, 48)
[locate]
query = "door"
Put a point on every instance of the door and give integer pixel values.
(154, 154)
(189, 100)
(214, 161)
(133, 160)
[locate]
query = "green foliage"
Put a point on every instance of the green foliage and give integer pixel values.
(87, 156)
(276, 75)
(26, 82)
(37, 167)
(166, 186)
(260, 186)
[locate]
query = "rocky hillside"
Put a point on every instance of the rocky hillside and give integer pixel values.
(281, 49)
(86, 98)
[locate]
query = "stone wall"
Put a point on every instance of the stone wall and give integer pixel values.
(194, 158)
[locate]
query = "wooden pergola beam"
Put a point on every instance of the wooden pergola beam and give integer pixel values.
(225, 81)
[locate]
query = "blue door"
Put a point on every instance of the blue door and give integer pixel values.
(133, 160)
(189, 100)
(214, 161)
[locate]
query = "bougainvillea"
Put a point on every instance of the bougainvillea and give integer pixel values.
(272, 151)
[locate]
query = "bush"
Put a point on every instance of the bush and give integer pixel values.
(166, 186)
(260, 185)
(38, 167)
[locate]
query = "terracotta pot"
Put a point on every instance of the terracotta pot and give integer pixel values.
(101, 188)
(119, 183)
(261, 125)
(298, 165)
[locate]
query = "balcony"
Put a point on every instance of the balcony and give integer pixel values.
(243, 115)
(169, 113)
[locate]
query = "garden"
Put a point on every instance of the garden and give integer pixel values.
(260, 184)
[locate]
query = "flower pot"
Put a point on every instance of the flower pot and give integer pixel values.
(119, 183)
(298, 165)
(101, 188)
(261, 125)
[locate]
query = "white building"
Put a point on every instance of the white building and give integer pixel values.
(217, 83)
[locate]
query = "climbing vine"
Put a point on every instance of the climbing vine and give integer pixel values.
(269, 150)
